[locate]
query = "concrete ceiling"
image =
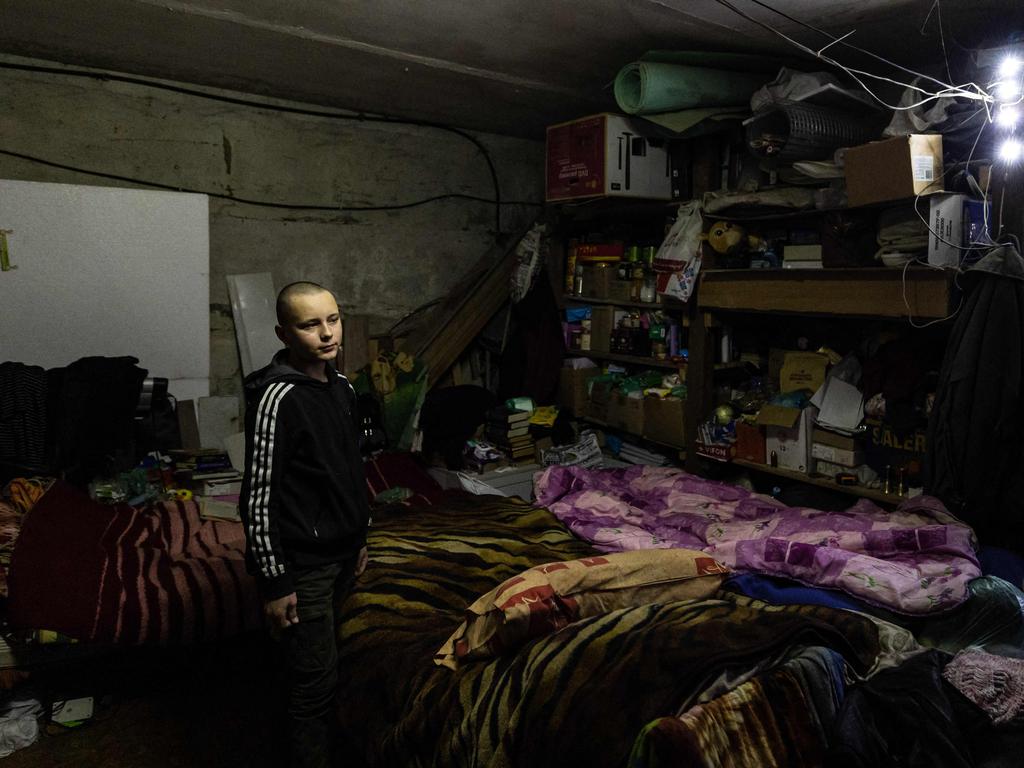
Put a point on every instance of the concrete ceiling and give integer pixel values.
(507, 66)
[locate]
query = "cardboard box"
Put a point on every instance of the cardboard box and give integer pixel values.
(802, 371)
(834, 455)
(750, 442)
(604, 155)
(618, 290)
(600, 397)
(838, 440)
(599, 252)
(602, 321)
(663, 420)
(955, 221)
(715, 451)
(572, 388)
(894, 169)
(597, 279)
(886, 448)
(626, 413)
(788, 434)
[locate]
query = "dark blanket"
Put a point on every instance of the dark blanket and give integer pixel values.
(911, 716)
(581, 695)
(116, 574)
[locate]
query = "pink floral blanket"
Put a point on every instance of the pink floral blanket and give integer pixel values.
(915, 560)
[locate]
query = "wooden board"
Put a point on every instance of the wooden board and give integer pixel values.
(444, 332)
(851, 292)
(356, 347)
(822, 482)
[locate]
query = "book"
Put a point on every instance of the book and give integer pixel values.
(504, 416)
(219, 486)
(496, 433)
(214, 508)
(204, 476)
(508, 436)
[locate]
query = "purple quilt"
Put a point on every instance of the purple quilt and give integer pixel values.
(915, 560)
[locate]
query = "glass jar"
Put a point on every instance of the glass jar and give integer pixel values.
(649, 289)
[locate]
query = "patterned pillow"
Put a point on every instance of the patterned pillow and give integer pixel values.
(548, 597)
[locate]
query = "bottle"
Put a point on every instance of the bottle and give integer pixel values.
(577, 282)
(570, 266)
(647, 256)
(636, 287)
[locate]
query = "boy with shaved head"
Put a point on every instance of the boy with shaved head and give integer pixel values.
(304, 505)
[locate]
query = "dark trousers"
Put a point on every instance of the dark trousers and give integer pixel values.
(311, 663)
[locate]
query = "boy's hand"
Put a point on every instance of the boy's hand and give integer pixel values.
(283, 612)
(364, 556)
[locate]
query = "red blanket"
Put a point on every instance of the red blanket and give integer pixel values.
(121, 575)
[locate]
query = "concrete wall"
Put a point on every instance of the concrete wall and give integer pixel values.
(382, 264)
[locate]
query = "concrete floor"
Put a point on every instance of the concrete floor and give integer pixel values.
(209, 706)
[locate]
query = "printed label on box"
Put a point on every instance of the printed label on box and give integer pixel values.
(922, 167)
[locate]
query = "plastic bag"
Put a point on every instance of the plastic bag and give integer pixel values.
(992, 616)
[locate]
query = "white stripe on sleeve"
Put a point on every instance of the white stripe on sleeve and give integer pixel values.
(260, 472)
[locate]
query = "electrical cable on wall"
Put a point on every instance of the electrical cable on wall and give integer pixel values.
(263, 203)
(357, 117)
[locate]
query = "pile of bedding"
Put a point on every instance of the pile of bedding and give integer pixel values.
(918, 559)
(581, 690)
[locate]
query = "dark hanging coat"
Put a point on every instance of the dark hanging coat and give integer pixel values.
(976, 431)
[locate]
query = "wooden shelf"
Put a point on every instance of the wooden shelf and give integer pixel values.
(668, 305)
(822, 482)
(605, 425)
(650, 362)
(655, 305)
(870, 292)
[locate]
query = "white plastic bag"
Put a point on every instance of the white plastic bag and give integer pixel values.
(678, 259)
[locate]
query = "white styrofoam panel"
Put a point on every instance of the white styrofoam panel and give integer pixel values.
(106, 271)
(253, 306)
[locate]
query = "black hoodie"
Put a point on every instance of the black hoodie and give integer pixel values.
(304, 499)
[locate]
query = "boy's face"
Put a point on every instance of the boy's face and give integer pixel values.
(312, 329)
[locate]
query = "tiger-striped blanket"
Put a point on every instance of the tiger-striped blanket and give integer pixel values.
(580, 696)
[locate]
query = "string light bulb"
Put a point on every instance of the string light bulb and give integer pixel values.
(1010, 67)
(1008, 116)
(1011, 151)
(1007, 90)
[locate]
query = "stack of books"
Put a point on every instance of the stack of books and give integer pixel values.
(509, 430)
(207, 472)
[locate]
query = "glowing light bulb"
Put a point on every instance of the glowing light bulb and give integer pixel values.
(1011, 151)
(1008, 90)
(1010, 67)
(1008, 116)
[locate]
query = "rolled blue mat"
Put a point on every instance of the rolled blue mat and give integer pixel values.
(647, 86)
